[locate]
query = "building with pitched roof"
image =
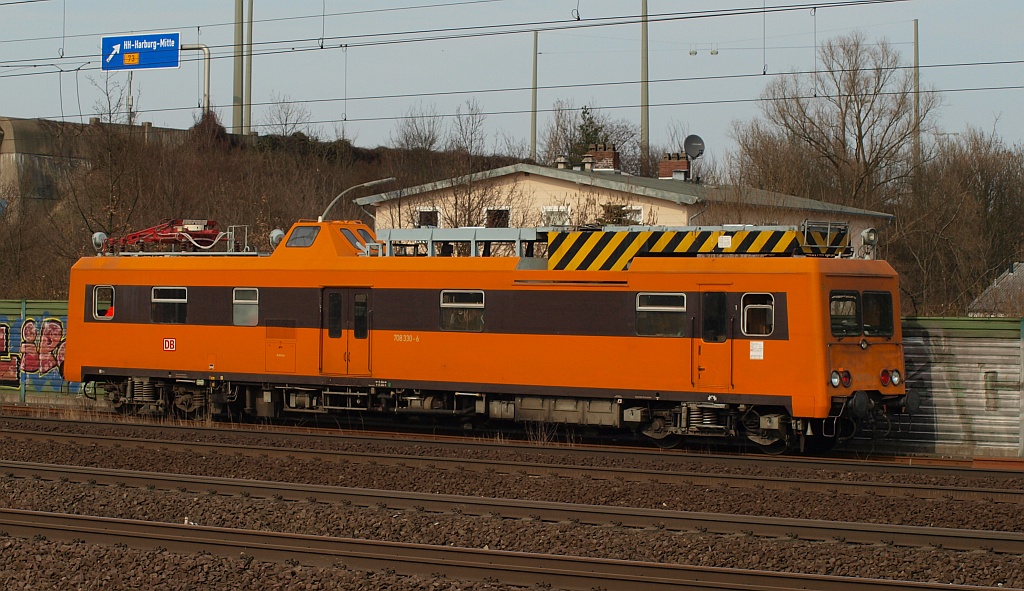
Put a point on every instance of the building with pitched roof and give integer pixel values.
(596, 193)
(1004, 298)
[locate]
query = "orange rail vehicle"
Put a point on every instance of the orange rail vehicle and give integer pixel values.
(613, 330)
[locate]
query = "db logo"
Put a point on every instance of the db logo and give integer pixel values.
(169, 345)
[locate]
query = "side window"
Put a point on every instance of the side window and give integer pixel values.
(555, 215)
(169, 305)
(758, 314)
(878, 316)
(302, 236)
(462, 310)
(352, 239)
(661, 314)
(245, 306)
(103, 302)
(714, 317)
(844, 310)
(632, 215)
(427, 218)
(498, 217)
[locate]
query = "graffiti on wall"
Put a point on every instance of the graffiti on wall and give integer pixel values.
(32, 352)
(9, 363)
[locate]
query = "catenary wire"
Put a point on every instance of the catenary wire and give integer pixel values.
(492, 30)
(719, 77)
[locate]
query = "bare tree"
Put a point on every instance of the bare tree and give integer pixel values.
(467, 130)
(420, 129)
(853, 119)
(958, 231)
(571, 130)
(116, 104)
(286, 117)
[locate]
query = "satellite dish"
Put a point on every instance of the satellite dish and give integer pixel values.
(693, 146)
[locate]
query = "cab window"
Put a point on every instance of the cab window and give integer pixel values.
(302, 236)
(878, 315)
(103, 302)
(844, 310)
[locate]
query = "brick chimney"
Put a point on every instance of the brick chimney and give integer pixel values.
(672, 163)
(606, 157)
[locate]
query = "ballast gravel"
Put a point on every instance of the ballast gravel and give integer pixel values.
(41, 564)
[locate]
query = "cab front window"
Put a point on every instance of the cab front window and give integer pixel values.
(844, 309)
(878, 316)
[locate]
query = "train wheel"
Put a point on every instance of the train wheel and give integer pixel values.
(668, 441)
(658, 432)
(189, 407)
(775, 448)
(119, 406)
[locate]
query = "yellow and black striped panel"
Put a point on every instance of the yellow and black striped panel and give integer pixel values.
(612, 251)
(827, 243)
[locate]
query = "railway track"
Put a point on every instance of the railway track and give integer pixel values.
(724, 524)
(665, 475)
(879, 463)
(511, 568)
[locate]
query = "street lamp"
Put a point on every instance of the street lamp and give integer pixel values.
(342, 194)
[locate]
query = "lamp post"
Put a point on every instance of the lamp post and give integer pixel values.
(342, 194)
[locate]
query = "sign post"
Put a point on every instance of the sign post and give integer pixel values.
(141, 52)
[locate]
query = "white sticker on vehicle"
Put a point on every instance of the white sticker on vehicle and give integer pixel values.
(757, 349)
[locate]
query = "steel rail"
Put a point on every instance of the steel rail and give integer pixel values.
(511, 568)
(990, 468)
(717, 523)
(920, 491)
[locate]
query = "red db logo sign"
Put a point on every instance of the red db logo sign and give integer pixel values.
(169, 345)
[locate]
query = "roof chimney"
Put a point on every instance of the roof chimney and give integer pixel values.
(561, 162)
(588, 162)
(606, 157)
(673, 163)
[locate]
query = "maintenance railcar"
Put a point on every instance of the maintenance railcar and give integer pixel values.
(786, 352)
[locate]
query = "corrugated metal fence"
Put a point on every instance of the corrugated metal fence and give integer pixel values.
(32, 347)
(966, 370)
(968, 374)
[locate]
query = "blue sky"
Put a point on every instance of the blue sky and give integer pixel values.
(595, 65)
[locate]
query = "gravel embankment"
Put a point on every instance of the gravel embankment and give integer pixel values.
(44, 565)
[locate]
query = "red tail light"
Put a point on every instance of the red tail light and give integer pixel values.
(885, 377)
(846, 378)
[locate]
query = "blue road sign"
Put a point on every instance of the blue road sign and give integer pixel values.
(142, 52)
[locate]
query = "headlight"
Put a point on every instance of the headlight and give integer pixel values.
(896, 377)
(834, 379)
